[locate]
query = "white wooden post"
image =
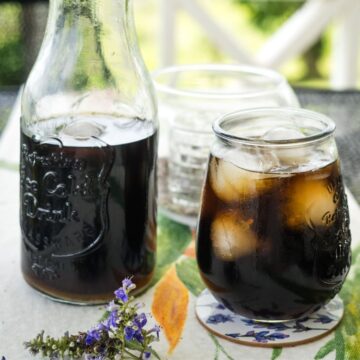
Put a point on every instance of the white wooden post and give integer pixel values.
(300, 31)
(346, 46)
(216, 32)
(168, 9)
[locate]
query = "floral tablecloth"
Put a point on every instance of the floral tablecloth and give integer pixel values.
(171, 299)
(23, 312)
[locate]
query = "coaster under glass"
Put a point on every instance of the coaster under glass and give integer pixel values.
(228, 325)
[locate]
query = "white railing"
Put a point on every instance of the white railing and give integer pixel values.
(296, 36)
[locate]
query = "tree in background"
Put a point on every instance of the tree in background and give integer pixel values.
(11, 47)
(268, 15)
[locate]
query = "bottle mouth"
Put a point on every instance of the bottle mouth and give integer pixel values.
(217, 81)
(274, 127)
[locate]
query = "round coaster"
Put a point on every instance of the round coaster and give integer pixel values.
(224, 323)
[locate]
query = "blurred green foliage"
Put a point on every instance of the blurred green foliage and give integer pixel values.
(11, 46)
(251, 21)
(268, 15)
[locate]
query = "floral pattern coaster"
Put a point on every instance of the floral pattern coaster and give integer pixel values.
(224, 323)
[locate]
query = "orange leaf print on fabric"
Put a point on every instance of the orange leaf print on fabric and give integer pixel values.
(170, 306)
(190, 251)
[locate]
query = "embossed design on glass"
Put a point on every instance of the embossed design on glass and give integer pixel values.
(88, 156)
(191, 97)
(273, 239)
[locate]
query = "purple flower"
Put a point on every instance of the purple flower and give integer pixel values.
(139, 336)
(129, 333)
(220, 307)
(128, 285)
(248, 322)
(278, 326)
(102, 327)
(155, 329)
(147, 354)
(121, 295)
(140, 320)
(111, 320)
(265, 336)
(112, 306)
(275, 336)
(260, 325)
(92, 336)
(219, 318)
(261, 336)
(133, 332)
(324, 319)
(94, 357)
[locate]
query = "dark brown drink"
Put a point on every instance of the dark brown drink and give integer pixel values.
(273, 246)
(88, 209)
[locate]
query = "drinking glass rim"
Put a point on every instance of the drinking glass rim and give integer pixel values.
(272, 75)
(324, 133)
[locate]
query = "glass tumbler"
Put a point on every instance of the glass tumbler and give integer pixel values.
(273, 239)
(190, 98)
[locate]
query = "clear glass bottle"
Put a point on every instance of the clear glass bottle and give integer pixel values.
(88, 156)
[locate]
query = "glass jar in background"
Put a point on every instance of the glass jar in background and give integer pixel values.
(273, 238)
(190, 98)
(88, 156)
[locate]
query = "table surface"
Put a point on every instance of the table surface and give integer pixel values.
(23, 312)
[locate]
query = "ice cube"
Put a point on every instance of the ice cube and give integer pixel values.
(83, 130)
(232, 236)
(288, 158)
(231, 183)
(310, 203)
(283, 133)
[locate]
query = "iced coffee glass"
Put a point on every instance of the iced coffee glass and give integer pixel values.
(273, 238)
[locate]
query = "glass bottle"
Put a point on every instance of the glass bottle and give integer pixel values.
(88, 156)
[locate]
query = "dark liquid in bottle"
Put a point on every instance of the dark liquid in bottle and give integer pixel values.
(273, 247)
(88, 213)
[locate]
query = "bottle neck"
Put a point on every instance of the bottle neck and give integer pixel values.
(71, 11)
(89, 62)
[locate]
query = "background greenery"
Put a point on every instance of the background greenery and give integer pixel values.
(249, 21)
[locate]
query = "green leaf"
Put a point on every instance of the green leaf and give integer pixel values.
(155, 354)
(340, 345)
(188, 273)
(276, 353)
(133, 345)
(328, 348)
(172, 241)
(219, 347)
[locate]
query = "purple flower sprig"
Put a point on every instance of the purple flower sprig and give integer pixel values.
(121, 334)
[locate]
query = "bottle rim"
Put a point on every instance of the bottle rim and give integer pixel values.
(322, 126)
